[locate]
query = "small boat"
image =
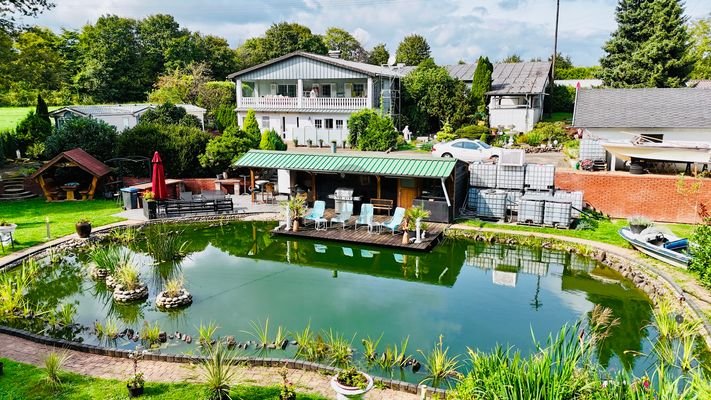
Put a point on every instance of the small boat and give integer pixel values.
(672, 151)
(663, 246)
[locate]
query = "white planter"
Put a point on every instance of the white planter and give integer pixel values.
(8, 228)
(346, 393)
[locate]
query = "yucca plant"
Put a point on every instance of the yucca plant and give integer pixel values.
(441, 367)
(206, 334)
(217, 371)
(53, 364)
(339, 348)
(260, 332)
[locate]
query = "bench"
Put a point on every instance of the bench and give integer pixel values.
(182, 208)
(210, 195)
(382, 204)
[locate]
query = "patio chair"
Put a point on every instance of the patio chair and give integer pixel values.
(399, 258)
(320, 248)
(366, 215)
(348, 252)
(394, 223)
(316, 212)
(344, 216)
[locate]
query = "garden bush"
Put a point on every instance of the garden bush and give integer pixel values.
(446, 133)
(223, 150)
(563, 98)
(94, 136)
(34, 128)
(358, 123)
(223, 117)
(544, 132)
(271, 141)
(701, 262)
(472, 131)
(8, 145)
(380, 135)
(251, 129)
(170, 114)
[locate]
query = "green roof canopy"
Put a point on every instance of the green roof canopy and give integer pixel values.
(349, 164)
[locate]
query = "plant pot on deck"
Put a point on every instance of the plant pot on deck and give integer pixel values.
(348, 392)
(83, 229)
(150, 209)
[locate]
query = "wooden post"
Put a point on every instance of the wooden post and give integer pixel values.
(313, 186)
(251, 176)
(377, 178)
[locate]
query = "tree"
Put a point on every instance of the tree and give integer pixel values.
(481, 83)
(412, 50)
(218, 98)
(271, 141)
(225, 149)
(112, 68)
(169, 114)
(280, 39)
(251, 129)
(379, 55)
(700, 33)
(379, 135)
(32, 129)
(513, 58)
(41, 110)
(341, 40)
(94, 136)
(182, 85)
(28, 8)
(357, 124)
(561, 62)
(157, 33)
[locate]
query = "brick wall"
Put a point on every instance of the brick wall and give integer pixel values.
(621, 194)
(195, 185)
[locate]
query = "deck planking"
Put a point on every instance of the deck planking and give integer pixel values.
(361, 236)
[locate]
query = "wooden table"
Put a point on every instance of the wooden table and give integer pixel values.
(70, 189)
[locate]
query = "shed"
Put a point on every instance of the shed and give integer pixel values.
(71, 172)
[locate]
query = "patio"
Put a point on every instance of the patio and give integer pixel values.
(384, 238)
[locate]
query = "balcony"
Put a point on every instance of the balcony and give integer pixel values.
(283, 102)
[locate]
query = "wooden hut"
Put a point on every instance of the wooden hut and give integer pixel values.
(71, 175)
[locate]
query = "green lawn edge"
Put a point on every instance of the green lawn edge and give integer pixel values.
(24, 381)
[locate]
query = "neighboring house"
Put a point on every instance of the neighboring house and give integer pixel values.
(682, 114)
(122, 116)
(699, 84)
(516, 95)
(462, 72)
(308, 96)
(580, 83)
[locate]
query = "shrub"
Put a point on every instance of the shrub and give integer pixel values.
(53, 365)
(224, 116)
(380, 135)
(547, 131)
(532, 138)
(271, 141)
(170, 114)
(358, 123)
(96, 137)
(225, 149)
(8, 145)
(251, 129)
(472, 132)
(562, 98)
(32, 129)
(446, 133)
(701, 262)
(36, 151)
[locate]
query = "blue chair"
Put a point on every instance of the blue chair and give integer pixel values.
(320, 248)
(348, 252)
(394, 223)
(366, 215)
(344, 216)
(316, 212)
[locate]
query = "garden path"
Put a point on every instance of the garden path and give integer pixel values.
(29, 352)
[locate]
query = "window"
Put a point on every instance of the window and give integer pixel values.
(329, 123)
(358, 90)
(265, 122)
(458, 145)
(326, 90)
(317, 123)
(286, 90)
(484, 145)
(470, 145)
(339, 124)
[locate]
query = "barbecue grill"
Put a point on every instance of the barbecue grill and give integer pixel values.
(341, 197)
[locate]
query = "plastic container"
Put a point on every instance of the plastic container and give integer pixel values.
(491, 204)
(557, 212)
(130, 198)
(530, 211)
(575, 198)
(510, 177)
(540, 177)
(482, 175)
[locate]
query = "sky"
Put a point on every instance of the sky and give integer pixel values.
(455, 29)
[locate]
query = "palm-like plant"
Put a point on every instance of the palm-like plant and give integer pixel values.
(217, 371)
(53, 364)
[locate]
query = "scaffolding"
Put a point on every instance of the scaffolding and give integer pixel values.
(390, 94)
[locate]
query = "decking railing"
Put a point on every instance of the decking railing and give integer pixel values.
(349, 103)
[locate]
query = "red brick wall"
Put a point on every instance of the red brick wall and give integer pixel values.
(195, 185)
(622, 195)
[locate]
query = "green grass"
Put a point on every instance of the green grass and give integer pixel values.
(606, 231)
(558, 116)
(29, 215)
(22, 381)
(10, 116)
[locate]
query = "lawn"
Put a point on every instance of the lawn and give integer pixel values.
(22, 381)
(606, 231)
(558, 116)
(29, 215)
(10, 116)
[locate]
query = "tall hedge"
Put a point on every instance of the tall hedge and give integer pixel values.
(271, 141)
(358, 123)
(94, 136)
(481, 83)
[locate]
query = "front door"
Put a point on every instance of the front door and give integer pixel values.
(407, 192)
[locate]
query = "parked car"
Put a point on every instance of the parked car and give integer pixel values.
(467, 150)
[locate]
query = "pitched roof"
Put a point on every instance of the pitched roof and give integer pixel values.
(519, 78)
(349, 164)
(643, 108)
(364, 68)
(81, 158)
(463, 72)
(700, 84)
(117, 109)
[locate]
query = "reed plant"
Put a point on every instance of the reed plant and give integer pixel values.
(53, 365)
(441, 367)
(339, 348)
(124, 236)
(370, 348)
(111, 257)
(260, 332)
(66, 313)
(150, 333)
(311, 346)
(206, 334)
(174, 286)
(280, 336)
(111, 329)
(394, 356)
(217, 371)
(128, 277)
(164, 244)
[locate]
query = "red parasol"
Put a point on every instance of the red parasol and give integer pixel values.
(160, 191)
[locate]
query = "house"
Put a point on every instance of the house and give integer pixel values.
(681, 114)
(580, 83)
(122, 116)
(306, 96)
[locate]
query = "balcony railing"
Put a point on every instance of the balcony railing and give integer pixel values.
(348, 103)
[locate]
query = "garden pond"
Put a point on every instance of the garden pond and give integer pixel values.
(474, 294)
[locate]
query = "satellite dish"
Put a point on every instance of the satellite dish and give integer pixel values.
(391, 60)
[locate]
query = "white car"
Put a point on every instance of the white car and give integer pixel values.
(467, 150)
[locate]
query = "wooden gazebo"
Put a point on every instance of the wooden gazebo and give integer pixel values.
(70, 173)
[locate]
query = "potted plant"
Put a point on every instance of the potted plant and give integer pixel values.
(320, 143)
(639, 223)
(7, 227)
(83, 227)
(309, 142)
(414, 216)
(150, 206)
(136, 382)
(296, 142)
(297, 210)
(350, 383)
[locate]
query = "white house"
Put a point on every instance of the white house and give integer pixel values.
(122, 116)
(682, 114)
(306, 96)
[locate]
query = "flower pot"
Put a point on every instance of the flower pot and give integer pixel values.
(295, 226)
(8, 228)
(637, 228)
(150, 209)
(405, 238)
(348, 392)
(83, 229)
(134, 391)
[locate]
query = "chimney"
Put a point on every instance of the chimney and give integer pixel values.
(334, 53)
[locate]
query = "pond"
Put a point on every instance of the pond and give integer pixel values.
(472, 293)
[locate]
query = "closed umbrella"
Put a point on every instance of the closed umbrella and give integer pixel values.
(160, 191)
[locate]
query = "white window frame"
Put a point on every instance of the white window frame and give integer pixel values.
(318, 123)
(326, 123)
(339, 124)
(265, 119)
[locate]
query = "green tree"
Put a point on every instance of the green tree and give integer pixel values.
(513, 58)
(94, 136)
(481, 83)
(251, 129)
(379, 55)
(32, 129)
(413, 50)
(225, 149)
(700, 32)
(112, 68)
(157, 33)
(357, 124)
(182, 85)
(341, 40)
(379, 135)
(271, 141)
(41, 110)
(169, 114)
(218, 98)
(9, 9)
(280, 39)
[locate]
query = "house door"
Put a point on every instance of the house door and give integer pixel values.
(283, 124)
(406, 193)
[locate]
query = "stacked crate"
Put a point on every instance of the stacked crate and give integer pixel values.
(557, 213)
(531, 209)
(540, 178)
(511, 177)
(591, 149)
(481, 177)
(575, 198)
(491, 204)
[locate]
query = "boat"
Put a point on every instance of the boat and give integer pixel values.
(663, 246)
(672, 151)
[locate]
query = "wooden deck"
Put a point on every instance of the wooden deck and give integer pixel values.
(361, 236)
